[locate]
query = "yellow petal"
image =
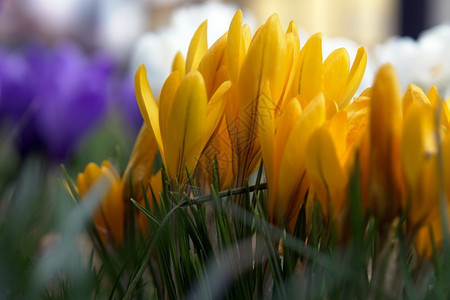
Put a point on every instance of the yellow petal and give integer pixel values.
(385, 132)
(435, 100)
(325, 172)
(108, 218)
(358, 121)
(446, 164)
(335, 72)
(413, 94)
(235, 52)
(260, 65)
(197, 48)
(113, 213)
(219, 147)
(247, 35)
(310, 83)
(273, 148)
(446, 113)
(418, 143)
(235, 47)
(287, 120)
(147, 105)
(386, 115)
(433, 95)
(292, 167)
(215, 110)
(266, 134)
(166, 98)
(179, 64)
(140, 165)
(186, 126)
(84, 180)
(211, 62)
(293, 54)
(337, 127)
(354, 77)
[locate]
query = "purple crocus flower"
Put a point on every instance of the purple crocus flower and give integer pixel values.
(53, 97)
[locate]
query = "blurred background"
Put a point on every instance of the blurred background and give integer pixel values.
(67, 95)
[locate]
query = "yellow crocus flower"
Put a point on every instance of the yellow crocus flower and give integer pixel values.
(419, 158)
(214, 70)
(284, 155)
(249, 71)
(190, 106)
(333, 77)
(385, 183)
(109, 217)
(184, 121)
(306, 96)
(326, 154)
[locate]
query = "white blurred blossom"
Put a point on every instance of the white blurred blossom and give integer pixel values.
(120, 24)
(425, 62)
(58, 16)
(157, 49)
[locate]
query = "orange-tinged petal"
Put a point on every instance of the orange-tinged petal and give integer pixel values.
(429, 234)
(108, 218)
(197, 47)
(186, 126)
(327, 175)
(113, 212)
(179, 64)
(85, 179)
(147, 105)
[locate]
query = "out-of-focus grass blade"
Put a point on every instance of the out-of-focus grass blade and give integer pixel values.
(146, 212)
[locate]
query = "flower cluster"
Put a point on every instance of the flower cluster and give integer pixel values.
(52, 97)
(248, 99)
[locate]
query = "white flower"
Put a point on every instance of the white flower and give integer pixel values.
(425, 62)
